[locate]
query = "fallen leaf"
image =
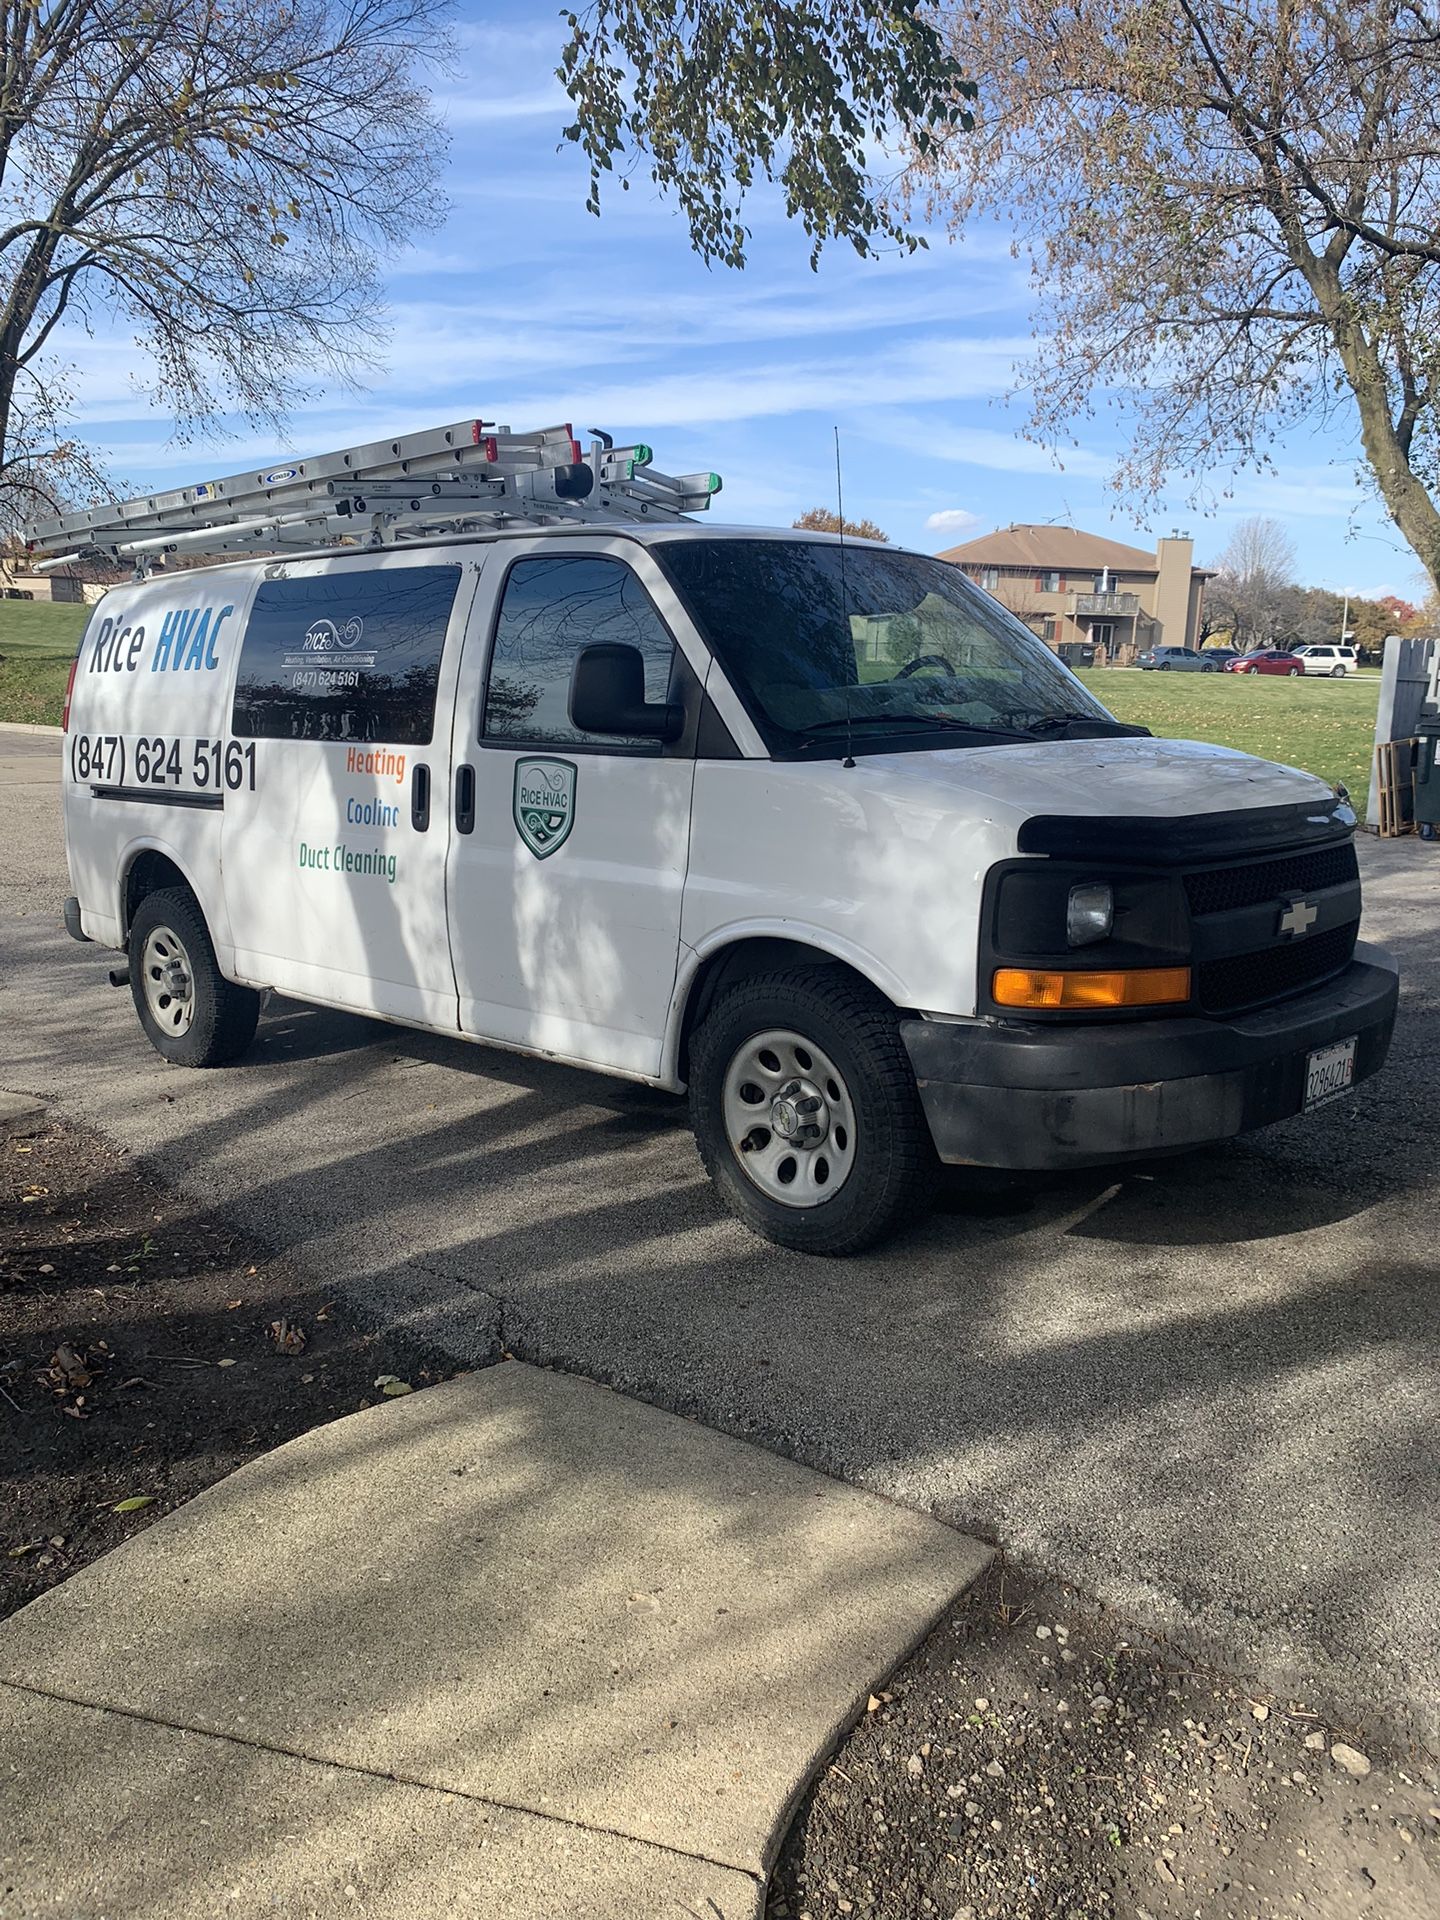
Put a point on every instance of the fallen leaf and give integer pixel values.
(287, 1336)
(68, 1371)
(134, 1504)
(224, 1363)
(17, 1553)
(231, 1305)
(391, 1386)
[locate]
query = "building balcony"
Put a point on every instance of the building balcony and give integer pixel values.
(1106, 606)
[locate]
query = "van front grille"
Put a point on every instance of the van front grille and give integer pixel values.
(1250, 979)
(1223, 889)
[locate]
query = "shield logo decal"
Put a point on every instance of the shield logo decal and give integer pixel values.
(544, 804)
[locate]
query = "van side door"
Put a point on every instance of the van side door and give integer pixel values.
(569, 850)
(334, 858)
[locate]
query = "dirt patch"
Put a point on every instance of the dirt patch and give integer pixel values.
(1038, 1757)
(145, 1352)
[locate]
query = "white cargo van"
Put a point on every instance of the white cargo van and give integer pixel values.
(815, 830)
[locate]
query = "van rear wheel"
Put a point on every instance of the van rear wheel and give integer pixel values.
(192, 1015)
(805, 1110)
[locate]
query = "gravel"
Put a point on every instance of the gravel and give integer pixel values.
(1122, 1785)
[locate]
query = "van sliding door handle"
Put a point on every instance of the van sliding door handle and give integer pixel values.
(465, 799)
(420, 799)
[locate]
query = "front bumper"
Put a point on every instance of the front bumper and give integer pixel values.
(1036, 1096)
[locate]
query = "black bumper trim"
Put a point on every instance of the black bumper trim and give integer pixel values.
(1031, 1096)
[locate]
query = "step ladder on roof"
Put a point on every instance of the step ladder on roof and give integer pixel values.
(473, 477)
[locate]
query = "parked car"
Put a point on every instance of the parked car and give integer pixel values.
(1268, 660)
(1218, 658)
(1176, 660)
(1333, 662)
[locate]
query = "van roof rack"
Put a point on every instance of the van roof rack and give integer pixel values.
(466, 478)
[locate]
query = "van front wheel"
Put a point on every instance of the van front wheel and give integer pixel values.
(192, 1015)
(805, 1110)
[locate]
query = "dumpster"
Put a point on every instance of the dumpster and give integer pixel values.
(1427, 776)
(1077, 653)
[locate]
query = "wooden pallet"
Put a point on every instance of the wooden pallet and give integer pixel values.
(1395, 778)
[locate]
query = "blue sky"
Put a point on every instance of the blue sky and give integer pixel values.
(527, 310)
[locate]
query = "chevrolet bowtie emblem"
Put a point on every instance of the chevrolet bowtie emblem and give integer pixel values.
(1298, 918)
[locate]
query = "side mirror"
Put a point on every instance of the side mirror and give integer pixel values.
(607, 695)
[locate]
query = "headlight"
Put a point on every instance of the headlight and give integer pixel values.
(1090, 915)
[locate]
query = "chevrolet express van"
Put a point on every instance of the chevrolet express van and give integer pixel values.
(815, 831)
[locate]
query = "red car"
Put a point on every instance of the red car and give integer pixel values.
(1267, 660)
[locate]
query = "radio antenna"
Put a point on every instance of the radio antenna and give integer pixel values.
(849, 759)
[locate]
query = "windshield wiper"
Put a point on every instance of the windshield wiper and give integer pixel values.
(1058, 722)
(933, 723)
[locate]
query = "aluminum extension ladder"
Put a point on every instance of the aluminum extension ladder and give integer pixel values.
(470, 477)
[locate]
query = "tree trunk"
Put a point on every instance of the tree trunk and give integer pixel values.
(1405, 495)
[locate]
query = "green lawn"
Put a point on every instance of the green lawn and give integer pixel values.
(1325, 726)
(37, 644)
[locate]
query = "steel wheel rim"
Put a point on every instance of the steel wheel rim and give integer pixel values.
(789, 1118)
(169, 981)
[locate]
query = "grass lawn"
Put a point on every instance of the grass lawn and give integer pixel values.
(37, 644)
(1325, 726)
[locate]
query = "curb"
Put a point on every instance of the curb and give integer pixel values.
(26, 726)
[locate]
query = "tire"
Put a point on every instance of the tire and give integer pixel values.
(1293, 673)
(1164, 667)
(1209, 667)
(876, 1146)
(192, 1015)
(1337, 673)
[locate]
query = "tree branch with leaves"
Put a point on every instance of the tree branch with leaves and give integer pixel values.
(710, 96)
(1232, 208)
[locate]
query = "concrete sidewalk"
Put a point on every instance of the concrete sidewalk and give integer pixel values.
(514, 1645)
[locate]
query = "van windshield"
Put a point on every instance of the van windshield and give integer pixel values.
(889, 649)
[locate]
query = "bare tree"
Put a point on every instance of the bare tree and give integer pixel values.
(216, 179)
(1251, 590)
(826, 520)
(1233, 211)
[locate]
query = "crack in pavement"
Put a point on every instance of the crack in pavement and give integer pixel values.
(376, 1773)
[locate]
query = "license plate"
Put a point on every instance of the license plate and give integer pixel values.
(1329, 1072)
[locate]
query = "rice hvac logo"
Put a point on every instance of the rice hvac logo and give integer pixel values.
(324, 636)
(544, 804)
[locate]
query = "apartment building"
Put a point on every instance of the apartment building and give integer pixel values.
(1072, 586)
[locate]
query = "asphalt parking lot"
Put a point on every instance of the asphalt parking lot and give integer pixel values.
(1204, 1390)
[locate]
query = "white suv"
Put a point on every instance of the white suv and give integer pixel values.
(1335, 662)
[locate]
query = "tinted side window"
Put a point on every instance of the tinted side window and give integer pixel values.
(345, 656)
(553, 606)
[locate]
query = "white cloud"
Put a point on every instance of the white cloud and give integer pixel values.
(472, 110)
(952, 520)
(984, 447)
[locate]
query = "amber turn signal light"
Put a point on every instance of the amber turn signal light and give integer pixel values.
(1140, 987)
